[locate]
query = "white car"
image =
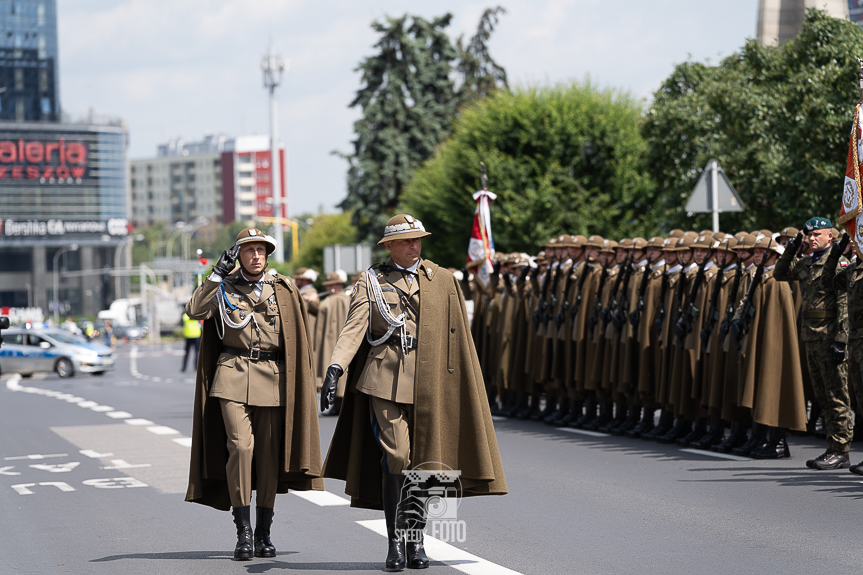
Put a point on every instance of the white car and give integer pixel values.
(27, 351)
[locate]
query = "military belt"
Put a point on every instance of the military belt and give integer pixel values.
(255, 354)
(410, 341)
(820, 314)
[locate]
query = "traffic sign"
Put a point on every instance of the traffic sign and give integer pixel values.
(714, 193)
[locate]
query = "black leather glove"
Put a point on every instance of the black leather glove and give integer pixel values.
(635, 318)
(680, 329)
(837, 352)
(328, 389)
(524, 271)
(794, 245)
(496, 267)
(227, 261)
(737, 328)
(839, 248)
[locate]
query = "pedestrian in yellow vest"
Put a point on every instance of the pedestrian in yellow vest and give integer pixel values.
(192, 333)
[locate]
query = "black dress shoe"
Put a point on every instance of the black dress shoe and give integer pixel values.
(666, 422)
(631, 422)
(757, 440)
(735, 439)
(697, 433)
(586, 418)
(713, 437)
(601, 420)
(263, 520)
(559, 413)
(645, 426)
(858, 469)
(830, 460)
(243, 520)
(775, 448)
(680, 428)
(556, 414)
(567, 418)
(612, 424)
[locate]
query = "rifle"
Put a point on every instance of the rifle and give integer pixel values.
(612, 301)
(561, 316)
(683, 325)
(748, 311)
(635, 316)
(619, 317)
(678, 300)
(578, 297)
(713, 311)
(593, 318)
(539, 312)
(725, 326)
(552, 304)
(663, 289)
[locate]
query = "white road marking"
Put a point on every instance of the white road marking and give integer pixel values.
(718, 455)
(6, 470)
(59, 485)
(498, 418)
(88, 404)
(162, 430)
(102, 408)
(184, 441)
(94, 454)
(121, 464)
(322, 498)
(445, 553)
(57, 467)
(119, 414)
(139, 422)
(583, 432)
(36, 456)
(22, 488)
(115, 483)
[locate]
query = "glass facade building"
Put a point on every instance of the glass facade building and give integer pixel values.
(29, 70)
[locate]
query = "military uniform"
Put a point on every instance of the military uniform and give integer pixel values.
(332, 314)
(824, 320)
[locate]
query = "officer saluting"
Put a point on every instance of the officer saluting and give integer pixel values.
(255, 393)
(415, 393)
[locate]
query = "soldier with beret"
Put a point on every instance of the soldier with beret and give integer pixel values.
(255, 393)
(824, 331)
(415, 393)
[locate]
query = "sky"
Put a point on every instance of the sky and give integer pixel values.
(186, 68)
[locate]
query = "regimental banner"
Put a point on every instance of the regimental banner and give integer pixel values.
(37, 228)
(481, 246)
(852, 203)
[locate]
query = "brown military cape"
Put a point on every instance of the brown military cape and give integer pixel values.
(451, 420)
(300, 466)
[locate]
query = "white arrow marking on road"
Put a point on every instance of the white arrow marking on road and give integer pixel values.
(21, 488)
(36, 456)
(322, 498)
(57, 468)
(121, 464)
(162, 430)
(116, 483)
(119, 414)
(184, 441)
(94, 454)
(445, 553)
(5, 470)
(59, 485)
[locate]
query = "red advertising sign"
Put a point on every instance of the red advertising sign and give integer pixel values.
(47, 161)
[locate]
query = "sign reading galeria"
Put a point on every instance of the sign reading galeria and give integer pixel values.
(37, 228)
(46, 157)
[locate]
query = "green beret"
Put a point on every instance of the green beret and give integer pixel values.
(816, 223)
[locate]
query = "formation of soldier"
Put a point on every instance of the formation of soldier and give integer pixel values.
(733, 339)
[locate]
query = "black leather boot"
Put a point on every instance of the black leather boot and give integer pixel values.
(517, 405)
(263, 519)
(735, 439)
(698, 431)
(714, 435)
(757, 438)
(550, 407)
(392, 495)
(529, 409)
(415, 523)
(680, 428)
(631, 422)
(645, 425)
(492, 401)
(619, 419)
(558, 413)
(604, 417)
(587, 417)
(775, 448)
(666, 422)
(243, 520)
(572, 414)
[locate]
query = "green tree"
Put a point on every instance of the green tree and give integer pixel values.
(327, 230)
(567, 159)
(776, 119)
(480, 75)
(408, 102)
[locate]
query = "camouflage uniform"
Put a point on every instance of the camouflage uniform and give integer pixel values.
(824, 319)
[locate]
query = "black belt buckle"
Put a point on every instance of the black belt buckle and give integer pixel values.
(255, 354)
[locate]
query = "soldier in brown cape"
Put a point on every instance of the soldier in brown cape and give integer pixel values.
(255, 426)
(332, 313)
(304, 278)
(771, 385)
(415, 396)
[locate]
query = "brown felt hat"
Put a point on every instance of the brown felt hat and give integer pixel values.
(403, 227)
(250, 235)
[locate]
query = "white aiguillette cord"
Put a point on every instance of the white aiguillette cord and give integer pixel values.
(226, 318)
(374, 289)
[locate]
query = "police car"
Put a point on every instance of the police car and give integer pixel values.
(27, 351)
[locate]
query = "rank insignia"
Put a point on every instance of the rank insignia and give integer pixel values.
(354, 290)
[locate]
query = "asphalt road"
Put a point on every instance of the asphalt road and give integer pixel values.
(93, 472)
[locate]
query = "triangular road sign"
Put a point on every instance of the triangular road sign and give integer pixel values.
(701, 200)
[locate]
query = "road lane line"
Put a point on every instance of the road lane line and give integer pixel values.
(447, 554)
(322, 498)
(184, 441)
(139, 422)
(36, 456)
(583, 432)
(119, 414)
(162, 430)
(717, 455)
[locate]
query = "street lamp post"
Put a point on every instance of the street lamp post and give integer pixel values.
(273, 66)
(117, 252)
(61, 251)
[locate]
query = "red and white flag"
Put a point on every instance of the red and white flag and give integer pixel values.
(852, 204)
(481, 246)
